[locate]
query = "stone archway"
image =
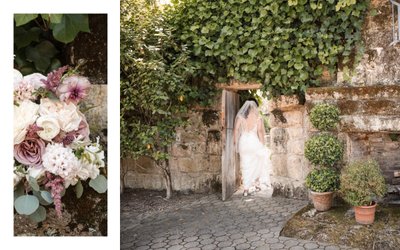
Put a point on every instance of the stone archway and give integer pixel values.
(229, 160)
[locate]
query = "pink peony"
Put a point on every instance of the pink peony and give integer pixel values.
(73, 89)
(29, 152)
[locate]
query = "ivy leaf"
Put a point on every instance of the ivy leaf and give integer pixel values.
(69, 27)
(41, 55)
(23, 37)
(21, 19)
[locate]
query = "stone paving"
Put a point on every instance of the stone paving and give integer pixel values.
(252, 222)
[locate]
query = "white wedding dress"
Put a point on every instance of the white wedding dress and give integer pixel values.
(254, 159)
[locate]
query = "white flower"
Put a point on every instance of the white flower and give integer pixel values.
(61, 161)
(95, 154)
(67, 114)
(36, 172)
(49, 107)
(69, 117)
(24, 115)
(88, 170)
(17, 78)
(35, 80)
(50, 126)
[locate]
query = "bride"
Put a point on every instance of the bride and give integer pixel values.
(248, 138)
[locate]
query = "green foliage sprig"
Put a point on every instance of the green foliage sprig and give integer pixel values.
(157, 81)
(324, 116)
(362, 182)
(323, 150)
(37, 38)
(323, 180)
(283, 44)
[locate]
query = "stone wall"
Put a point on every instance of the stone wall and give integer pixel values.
(195, 157)
(369, 101)
(287, 137)
(369, 122)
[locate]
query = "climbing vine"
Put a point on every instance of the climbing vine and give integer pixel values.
(286, 45)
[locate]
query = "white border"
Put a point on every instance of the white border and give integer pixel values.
(8, 8)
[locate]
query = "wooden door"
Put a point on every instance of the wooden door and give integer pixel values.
(230, 165)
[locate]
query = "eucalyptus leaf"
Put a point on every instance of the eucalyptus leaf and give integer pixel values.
(19, 190)
(46, 196)
(33, 183)
(79, 190)
(39, 215)
(26, 204)
(99, 184)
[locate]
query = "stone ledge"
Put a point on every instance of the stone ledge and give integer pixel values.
(353, 93)
(361, 123)
(284, 103)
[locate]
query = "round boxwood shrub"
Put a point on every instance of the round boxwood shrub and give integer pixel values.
(324, 116)
(361, 182)
(323, 150)
(323, 180)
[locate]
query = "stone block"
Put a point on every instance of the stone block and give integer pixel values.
(214, 164)
(370, 124)
(294, 166)
(279, 138)
(295, 133)
(146, 181)
(96, 103)
(284, 103)
(287, 119)
(278, 165)
(295, 147)
(181, 150)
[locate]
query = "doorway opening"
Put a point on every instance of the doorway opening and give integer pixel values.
(233, 96)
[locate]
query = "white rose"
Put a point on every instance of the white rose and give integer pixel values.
(35, 80)
(88, 170)
(67, 114)
(69, 117)
(49, 107)
(24, 115)
(50, 125)
(17, 78)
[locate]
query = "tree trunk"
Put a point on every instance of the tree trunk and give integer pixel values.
(167, 178)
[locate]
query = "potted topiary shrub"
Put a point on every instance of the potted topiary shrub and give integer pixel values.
(322, 183)
(362, 183)
(323, 150)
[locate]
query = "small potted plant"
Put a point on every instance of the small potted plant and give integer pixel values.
(322, 183)
(362, 183)
(323, 150)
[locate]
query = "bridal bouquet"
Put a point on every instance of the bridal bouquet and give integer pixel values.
(52, 148)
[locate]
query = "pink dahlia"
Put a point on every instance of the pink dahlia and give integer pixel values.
(29, 152)
(73, 89)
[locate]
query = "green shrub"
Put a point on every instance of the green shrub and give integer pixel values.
(362, 182)
(323, 180)
(324, 116)
(323, 150)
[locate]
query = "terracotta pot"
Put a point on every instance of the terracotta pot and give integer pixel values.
(365, 214)
(322, 201)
